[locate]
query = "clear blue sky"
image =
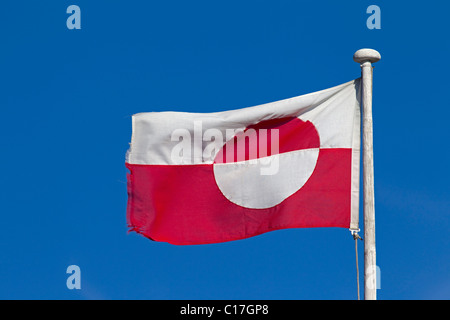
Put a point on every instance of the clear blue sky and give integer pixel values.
(66, 98)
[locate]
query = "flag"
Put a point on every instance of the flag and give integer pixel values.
(198, 178)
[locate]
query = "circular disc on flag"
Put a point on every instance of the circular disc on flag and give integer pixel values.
(268, 162)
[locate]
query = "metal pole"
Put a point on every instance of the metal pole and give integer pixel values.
(365, 57)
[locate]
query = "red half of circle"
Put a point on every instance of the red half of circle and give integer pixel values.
(258, 140)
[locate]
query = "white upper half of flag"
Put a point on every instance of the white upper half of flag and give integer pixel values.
(335, 113)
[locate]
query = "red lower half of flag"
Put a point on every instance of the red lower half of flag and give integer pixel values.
(182, 204)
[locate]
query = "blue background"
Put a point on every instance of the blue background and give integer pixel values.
(66, 98)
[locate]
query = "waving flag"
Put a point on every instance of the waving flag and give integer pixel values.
(198, 178)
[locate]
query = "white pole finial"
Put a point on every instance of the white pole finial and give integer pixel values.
(365, 57)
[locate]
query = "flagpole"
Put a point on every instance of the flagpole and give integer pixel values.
(365, 57)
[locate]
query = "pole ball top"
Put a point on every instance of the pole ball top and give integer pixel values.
(364, 55)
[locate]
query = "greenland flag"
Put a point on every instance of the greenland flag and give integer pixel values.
(198, 178)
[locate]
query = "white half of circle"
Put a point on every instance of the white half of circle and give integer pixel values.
(265, 182)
